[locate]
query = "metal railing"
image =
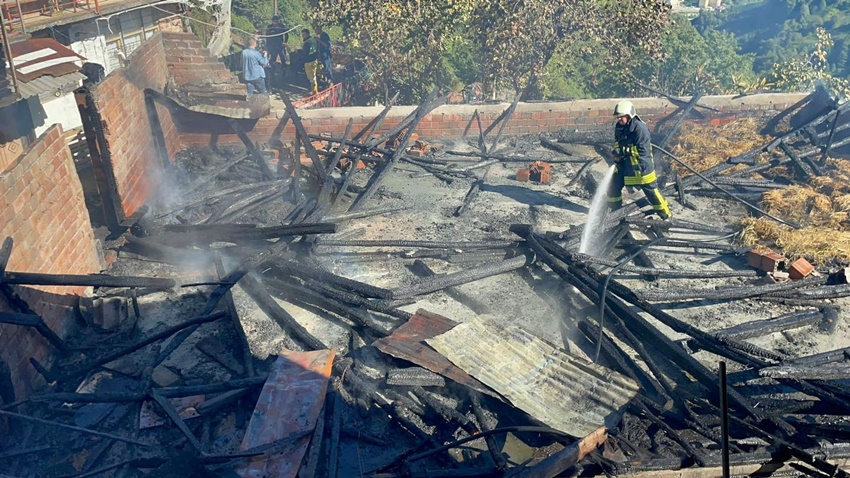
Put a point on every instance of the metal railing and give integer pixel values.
(15, 11)
(340, 94)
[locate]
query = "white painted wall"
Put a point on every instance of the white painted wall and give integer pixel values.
(62, 110)
(88, 42)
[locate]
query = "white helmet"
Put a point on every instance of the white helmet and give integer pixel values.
(625, 108)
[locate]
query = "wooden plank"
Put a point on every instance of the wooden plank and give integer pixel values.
(289, 405)
(569, 456)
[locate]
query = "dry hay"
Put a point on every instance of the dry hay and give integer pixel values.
(819, 245)
(702, 146)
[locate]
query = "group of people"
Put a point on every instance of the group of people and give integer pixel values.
(315, 51)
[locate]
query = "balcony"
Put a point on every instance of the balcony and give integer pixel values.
(26, 16)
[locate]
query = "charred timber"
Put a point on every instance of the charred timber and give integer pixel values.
(435, 283)
(36, 322)
(233, 232)
(589, 286)
(307, 271)
(827, 371)
(144, 343)
(252, 150)
(730, 293)
(91, 280)
(253, 287)
(677, 273)
(758, 328)
(676, 224)
(418, 244)
(376, 179)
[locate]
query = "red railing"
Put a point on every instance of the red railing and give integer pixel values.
(339, 94)
(16, 10)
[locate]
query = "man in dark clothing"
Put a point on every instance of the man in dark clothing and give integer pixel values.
(276, 40)
(276, 45)
(325, 55)
(633, 154)
(310, 56)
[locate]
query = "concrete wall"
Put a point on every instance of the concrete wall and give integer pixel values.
(42, 209)
(449, 121)
(62, 111)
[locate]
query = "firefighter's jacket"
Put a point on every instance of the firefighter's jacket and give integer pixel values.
(633, 145)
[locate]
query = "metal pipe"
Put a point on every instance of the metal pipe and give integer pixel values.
(724, 421)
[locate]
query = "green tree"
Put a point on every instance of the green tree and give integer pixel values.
(403, 43)
(517, 39)
(800, 73)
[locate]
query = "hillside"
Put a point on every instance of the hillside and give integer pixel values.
(776, 30)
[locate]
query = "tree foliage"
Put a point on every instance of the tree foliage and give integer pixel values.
(800, 73)
(401, 41)
(518, 38)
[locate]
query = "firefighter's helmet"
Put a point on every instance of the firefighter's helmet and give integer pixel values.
(625, 108)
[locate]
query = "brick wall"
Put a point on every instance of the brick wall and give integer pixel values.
(120, 99)
(449, 121)
(42, 209)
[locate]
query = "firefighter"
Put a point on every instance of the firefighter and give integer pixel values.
(633, 155)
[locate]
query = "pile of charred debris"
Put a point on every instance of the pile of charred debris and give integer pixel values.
(398, 392)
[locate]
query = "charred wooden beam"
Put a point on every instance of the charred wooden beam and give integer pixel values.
(376, 180)
(247, 357)
(676, 101)
(253, 287)
(758, 328)
(506, 117)
(685, 112)
(90, 280)
(376, 122)
(435, 283)
(35, 321)
(252, 150)
(677, 273)
(231, 233)
(144, 343)
(305, 139)
(172, 413)
(308, 271)
(471, 194)
(87, 431)
(421, 269)
(729, 293)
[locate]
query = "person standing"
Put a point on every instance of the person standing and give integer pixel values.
(253, 68)
(276, 40)
(634, 164)
(325, 53)
(310, 56)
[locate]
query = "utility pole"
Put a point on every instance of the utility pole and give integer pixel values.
(275, 7)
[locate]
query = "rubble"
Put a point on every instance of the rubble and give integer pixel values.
(385, 321)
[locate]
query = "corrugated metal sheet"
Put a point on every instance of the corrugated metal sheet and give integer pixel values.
(558, 389)
(48, 85)
(44, 56)
(288, 408)
(407, 343)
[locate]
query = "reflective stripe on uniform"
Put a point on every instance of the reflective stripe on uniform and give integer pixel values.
(639, 179)
(615, 199)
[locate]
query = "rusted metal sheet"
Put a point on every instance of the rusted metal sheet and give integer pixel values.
(407, 342)
(44, 56)
(288, 407)
(556, 388)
